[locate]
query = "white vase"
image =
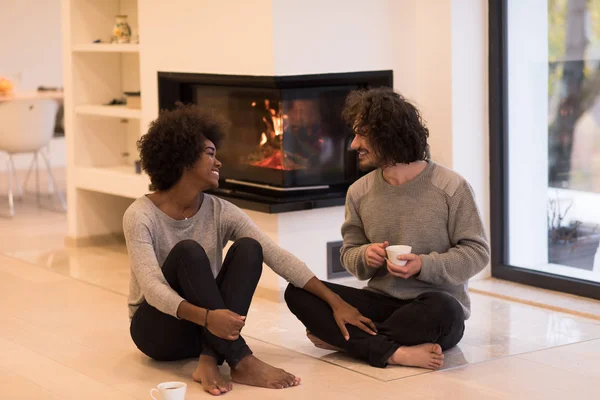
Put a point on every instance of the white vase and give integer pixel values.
(121, 31)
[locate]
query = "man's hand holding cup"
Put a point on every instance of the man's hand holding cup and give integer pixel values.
(375, 254)
(401, 262)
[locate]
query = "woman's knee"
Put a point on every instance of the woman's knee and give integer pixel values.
(186, 254)
(251, 251)
(245, 255)
(249, 245)
(189, 249)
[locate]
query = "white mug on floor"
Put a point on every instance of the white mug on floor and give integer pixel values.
(169, 391)
(394, 251)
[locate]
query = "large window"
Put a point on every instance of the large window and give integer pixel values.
(545, 142)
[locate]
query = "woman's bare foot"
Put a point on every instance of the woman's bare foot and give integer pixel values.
(321, 344)
(251, 371)
(208, 374)
(426, 355)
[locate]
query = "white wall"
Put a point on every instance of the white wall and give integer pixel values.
(434, 78)
(315, 36)
(30, 45)
(228, 37)
(422, 63)
(470, 116)
(30, 42)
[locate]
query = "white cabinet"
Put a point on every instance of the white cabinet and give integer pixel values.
(101, 139)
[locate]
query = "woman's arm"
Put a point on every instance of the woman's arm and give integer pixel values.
(237, 225)
(145, 267)
(222, 323)
(343, 312)
(192, 313)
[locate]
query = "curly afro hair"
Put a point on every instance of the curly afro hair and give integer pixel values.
(393, 125)
(175, 141)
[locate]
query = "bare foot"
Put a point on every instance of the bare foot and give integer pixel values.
(251, 371)
(321, 344)
(208, 374)
(426, 355)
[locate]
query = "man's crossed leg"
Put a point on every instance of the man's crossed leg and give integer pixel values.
(409, 332)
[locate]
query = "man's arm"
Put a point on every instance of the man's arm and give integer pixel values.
(470, 251)
(353, 254)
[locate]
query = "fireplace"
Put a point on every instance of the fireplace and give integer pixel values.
(287, 138)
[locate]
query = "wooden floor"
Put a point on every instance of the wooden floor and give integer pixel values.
(64, 335)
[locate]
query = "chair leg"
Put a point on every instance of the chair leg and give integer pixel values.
(33, 161)
(37, 178)
(11, 202)
(14, 172)
(50, 183)
(51, 176)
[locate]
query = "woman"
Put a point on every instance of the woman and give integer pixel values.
(184, 302)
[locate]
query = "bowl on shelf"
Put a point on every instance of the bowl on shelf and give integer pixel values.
(133, 99)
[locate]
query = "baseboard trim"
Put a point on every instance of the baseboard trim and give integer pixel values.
(95, 240)
(550, 307)
(270, 294)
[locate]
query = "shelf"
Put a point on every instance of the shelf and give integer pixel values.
(102, 178)
(108, 111)
(117, 180)
(106, 48)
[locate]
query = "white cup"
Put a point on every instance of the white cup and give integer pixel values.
(169, 391)
(395, 251)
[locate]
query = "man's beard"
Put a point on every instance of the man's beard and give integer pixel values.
(366, 165)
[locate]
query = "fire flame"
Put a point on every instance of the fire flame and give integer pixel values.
(269, 152)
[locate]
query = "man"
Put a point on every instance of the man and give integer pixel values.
(418, 309)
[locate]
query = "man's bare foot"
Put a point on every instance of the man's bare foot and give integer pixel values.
(321, 344)
(426, 355)
(208, 374)
(251, 371)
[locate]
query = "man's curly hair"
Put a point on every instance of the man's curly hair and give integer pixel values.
(393, 125)
(175, 141)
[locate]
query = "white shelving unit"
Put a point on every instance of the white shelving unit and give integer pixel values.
(106, 48)
(101, 139)
(108, 111)
(116, 180)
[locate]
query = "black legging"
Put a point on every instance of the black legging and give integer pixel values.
(187, 270)
(432, 317)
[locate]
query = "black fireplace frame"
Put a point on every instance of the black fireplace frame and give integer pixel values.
(173, 82)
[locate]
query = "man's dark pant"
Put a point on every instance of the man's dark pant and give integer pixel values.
(433, 317)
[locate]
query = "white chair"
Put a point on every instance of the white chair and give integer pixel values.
(26, 126)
